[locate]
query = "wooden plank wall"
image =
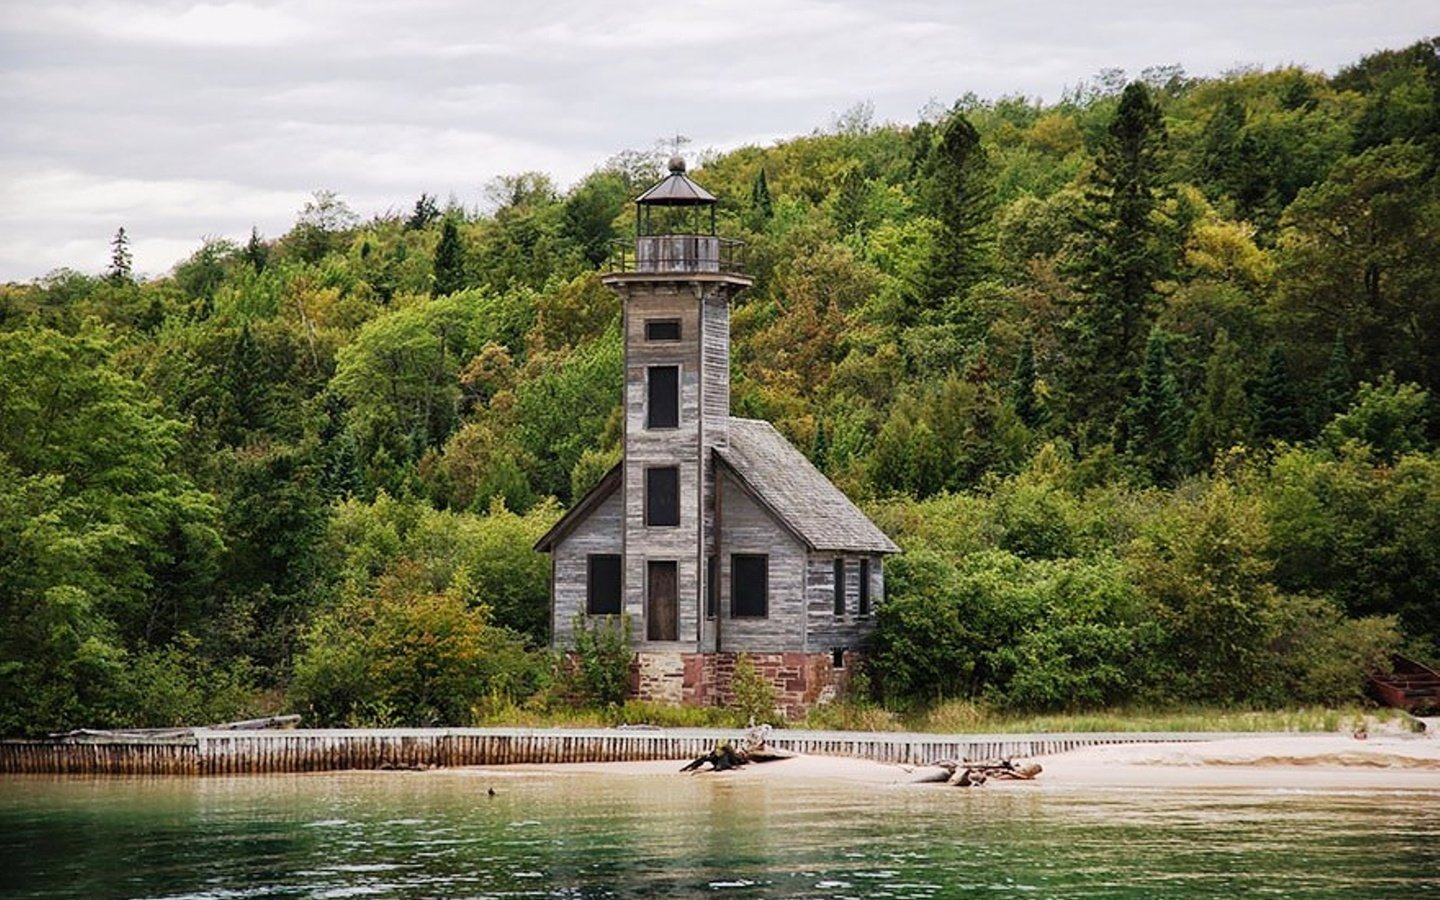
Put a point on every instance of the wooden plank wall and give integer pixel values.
(237, 752)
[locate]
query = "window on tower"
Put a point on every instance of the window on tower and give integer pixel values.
(662, 409)
(662, 329)
(662, 496)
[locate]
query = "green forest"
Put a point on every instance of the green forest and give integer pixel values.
(1143, 381)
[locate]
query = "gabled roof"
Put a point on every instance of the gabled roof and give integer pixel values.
(577, 513)
(796, 493)
(779, 478)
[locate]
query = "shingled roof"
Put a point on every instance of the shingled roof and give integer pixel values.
(796, 493)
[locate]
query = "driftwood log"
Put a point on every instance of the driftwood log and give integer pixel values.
(727, 756)
(974, 774)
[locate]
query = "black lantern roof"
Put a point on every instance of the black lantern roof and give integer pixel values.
(676, 189)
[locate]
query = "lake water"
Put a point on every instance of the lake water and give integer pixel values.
(441, 834)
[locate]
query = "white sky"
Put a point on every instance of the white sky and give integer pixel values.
(182, 120)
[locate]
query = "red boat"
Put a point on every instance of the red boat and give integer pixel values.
(1409, 686)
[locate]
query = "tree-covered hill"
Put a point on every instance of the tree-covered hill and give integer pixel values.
(1144, 382)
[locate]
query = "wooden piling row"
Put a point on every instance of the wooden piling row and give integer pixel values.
(213, 752)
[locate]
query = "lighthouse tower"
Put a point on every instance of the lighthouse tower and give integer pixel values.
(675, 290)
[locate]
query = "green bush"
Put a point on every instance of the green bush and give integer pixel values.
(175, 686)
(1035, 634)
(601, 672)
(409, 655)
(754, 694)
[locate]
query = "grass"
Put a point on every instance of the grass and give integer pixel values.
(956, 717)
(632, 712)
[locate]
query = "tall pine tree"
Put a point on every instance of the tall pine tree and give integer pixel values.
(760, 200)
(963, 200)
(1128, 249)
(449, 260)
(120, 259)
(1222, 419)
(1278, 414)
(1152, 426)
(1338, 385)
(1022, 387)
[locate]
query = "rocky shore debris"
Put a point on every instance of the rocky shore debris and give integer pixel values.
(727, 756)
(975, 774)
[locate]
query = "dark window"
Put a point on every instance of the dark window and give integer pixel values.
(712, 588)
(663, 408)
(602, 592)
(662, 496)
(839, 587)
(749, 585)
(662, 330)
(837, 658)
(864, 587)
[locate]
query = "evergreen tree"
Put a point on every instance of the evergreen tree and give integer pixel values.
(963, 202)
(1220, 142)
(1338, 385)
(245, 408)
(342, 478)
(1153, 423)
(820, 449)
(425, 212)
(1278, 415)
(1022, 387)
(760, 200)
(120, 259)
(1128, 249)
(256, 253)
(1223, 417)
(449, 260)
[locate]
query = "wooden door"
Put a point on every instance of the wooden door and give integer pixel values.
(662, 606)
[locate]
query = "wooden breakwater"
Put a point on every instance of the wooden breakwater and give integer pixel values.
(213, 752)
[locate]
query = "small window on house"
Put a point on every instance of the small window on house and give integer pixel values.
(602, 588)
(712, 587)
(837, 658)
(749, 585)
(839, 587)
(662, 409)
(662, 329)
(662, 496)
(864, 587)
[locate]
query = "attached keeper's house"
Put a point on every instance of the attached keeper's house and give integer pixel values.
(713, 534)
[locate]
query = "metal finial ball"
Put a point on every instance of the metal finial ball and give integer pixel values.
(677, 164)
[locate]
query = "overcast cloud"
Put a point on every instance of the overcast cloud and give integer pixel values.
(182, 120)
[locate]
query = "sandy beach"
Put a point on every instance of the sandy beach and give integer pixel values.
(1301, 761)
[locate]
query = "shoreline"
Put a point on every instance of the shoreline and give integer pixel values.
(1309, 762)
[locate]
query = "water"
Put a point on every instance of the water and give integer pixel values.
(440, 834)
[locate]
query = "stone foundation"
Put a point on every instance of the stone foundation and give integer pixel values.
(801, 680)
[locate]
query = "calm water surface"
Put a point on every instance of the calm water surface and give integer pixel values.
(440, 834)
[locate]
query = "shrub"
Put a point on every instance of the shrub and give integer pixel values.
(602, 659)
(754, 694)
(407, 654)
(174, 686)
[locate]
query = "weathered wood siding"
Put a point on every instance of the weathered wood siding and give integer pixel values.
(746, 527)
(824, 629)
(601, 532)
(715, 357)
(646, 448)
